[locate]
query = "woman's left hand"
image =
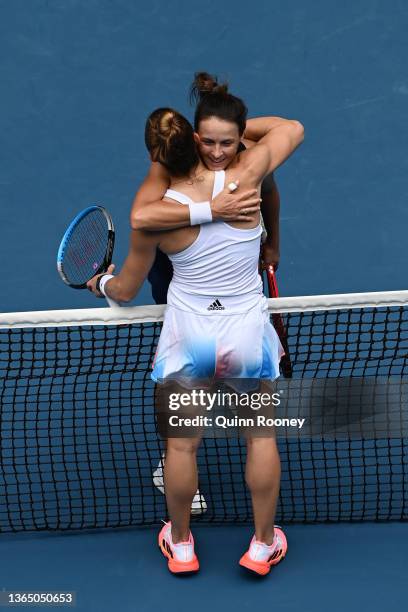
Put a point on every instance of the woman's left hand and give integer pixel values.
(269, 256)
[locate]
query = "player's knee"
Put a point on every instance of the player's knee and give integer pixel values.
(183, 445)
(261, 445)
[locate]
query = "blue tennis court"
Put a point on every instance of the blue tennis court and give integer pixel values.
(79, 506)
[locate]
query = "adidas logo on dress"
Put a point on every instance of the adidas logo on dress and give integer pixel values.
(216, 306)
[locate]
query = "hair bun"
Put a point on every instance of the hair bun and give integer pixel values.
(167, 125)
(169, 138)
(205, 83)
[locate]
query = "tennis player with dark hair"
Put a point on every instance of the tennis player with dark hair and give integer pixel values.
(216, 153)
(212, 261)
(151, 213)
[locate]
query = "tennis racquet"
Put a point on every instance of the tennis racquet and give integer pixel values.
(86, 247)
(285, 363)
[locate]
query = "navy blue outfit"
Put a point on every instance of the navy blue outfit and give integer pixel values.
(160, 277)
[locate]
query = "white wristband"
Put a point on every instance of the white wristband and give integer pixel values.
(102, 282)
(200, 212)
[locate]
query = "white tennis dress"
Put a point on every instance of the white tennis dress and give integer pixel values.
(216, 322)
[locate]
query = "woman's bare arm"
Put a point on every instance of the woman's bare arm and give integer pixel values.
(258, 127)
(281, 139)
(124, 286)
(150, 212)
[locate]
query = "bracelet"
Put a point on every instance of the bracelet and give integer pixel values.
(200, 212)
(101, 282)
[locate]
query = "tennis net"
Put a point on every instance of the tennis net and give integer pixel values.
(79, 448)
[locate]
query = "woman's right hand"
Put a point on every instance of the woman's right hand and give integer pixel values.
(236, 206)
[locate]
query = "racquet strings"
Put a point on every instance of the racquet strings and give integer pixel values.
(86, 248)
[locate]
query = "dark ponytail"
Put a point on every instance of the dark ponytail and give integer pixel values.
(214, 100)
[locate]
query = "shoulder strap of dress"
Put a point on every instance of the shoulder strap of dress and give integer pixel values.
(219, 181)
(178, 196)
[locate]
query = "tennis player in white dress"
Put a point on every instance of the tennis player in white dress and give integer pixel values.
(216, 323)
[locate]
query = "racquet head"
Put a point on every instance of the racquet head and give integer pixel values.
(86, 247)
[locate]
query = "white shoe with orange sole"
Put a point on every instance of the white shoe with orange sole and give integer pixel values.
(181, 557)
(260, 557)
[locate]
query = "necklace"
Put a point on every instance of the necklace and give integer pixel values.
(196, 178)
